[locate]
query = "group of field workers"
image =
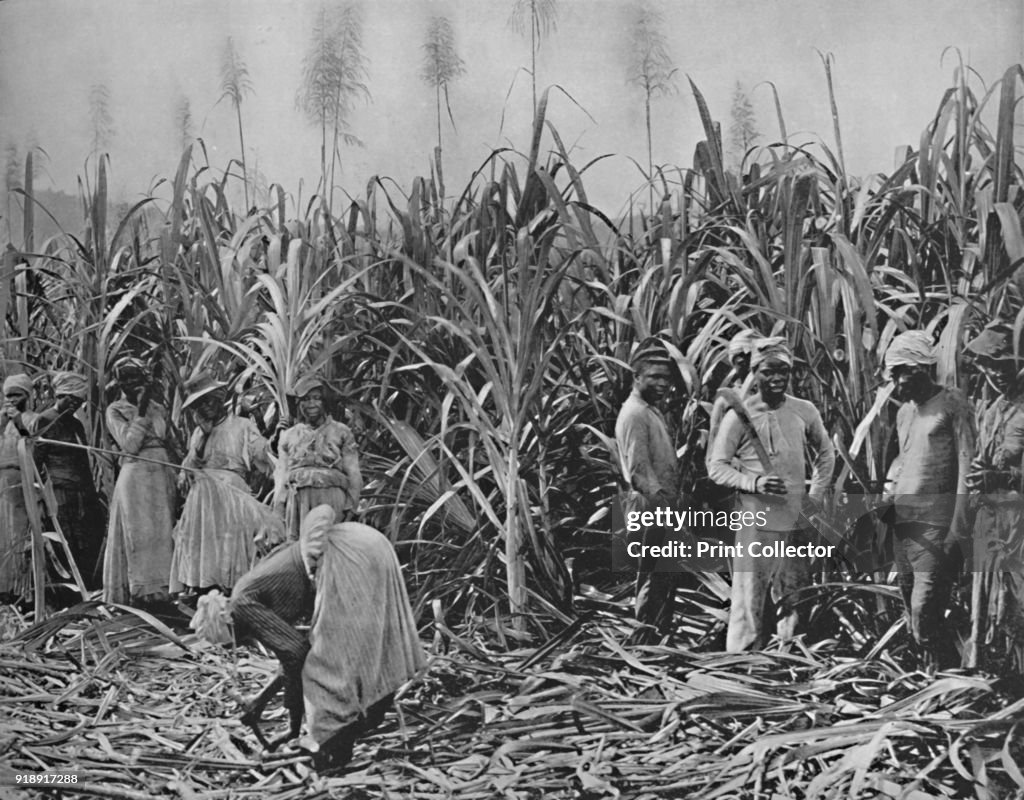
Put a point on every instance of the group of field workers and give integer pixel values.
(955, 481)
(265, 567)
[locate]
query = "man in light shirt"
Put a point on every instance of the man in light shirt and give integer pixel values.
(650, 468)
(928, 480)
(786, 427)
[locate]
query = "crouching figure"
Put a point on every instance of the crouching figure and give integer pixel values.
(362, 643)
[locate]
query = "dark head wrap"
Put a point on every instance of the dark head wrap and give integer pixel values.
(650, 351)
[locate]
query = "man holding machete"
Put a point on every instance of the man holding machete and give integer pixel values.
(760, 451)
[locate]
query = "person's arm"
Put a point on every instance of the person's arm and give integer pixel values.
(348, 464)
(825, 456)
(257, 449)
(723, 451)
(718, 410)
(127, 430)
(892, 475)
(634, 445)
(1011, 450)
(966, 443)
(281, 473)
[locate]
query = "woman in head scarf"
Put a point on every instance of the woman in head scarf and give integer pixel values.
(79, 512)
(363, 643)
(138, 555)
(215, 538)
(15, 422)
(318, 462)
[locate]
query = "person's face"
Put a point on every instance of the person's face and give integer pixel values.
(132, 384)
(773, 378)
(69, 402)
(210, 407)
(1000, 373)
(311, 406)
(653, 382)
(911, 382)
(741, 363)
(16, 398)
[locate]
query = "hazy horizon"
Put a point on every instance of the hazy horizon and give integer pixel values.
(889, 75)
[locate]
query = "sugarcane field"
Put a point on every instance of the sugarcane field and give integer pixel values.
(512, 399)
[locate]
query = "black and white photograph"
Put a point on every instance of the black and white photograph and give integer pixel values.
(513, 399)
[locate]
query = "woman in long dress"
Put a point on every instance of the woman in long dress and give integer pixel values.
(216, 537)
(15, 423)
(317, 462)
(137, 560)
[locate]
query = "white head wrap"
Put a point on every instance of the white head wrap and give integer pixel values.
(312, 533)
(20, 382)
(771, 347)
(70, 383)
(910, 349)
(742, 342)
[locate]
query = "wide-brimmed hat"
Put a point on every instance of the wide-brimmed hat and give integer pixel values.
(199, 386)
(307, 383)
(995, 342)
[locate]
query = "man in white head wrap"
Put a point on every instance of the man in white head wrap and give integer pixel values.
(936, 435)
(15, 422)
(788, 428)
(79, 512)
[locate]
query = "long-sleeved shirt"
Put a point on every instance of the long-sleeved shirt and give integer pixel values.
(269, 599)
(134, 434)
(786, 432)
(937, 443)
(234, 444)
(67, 467)
(646, 455)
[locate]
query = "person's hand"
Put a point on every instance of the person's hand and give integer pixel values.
(975, 479)
(249, 405)
(145, 396)
(770, 484)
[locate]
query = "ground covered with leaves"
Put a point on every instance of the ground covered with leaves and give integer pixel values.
(137, 712)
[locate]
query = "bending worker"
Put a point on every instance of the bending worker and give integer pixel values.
(362, 644)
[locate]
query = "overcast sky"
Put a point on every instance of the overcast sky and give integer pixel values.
(889, 76)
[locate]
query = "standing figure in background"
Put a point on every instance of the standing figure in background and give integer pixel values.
(215, 538)
(997, 487)
(650, 468)
(740, 347)
(318, 462)
(774, 426)
(928, 480)
(137, 561)
(79, 511)
(15, 537)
